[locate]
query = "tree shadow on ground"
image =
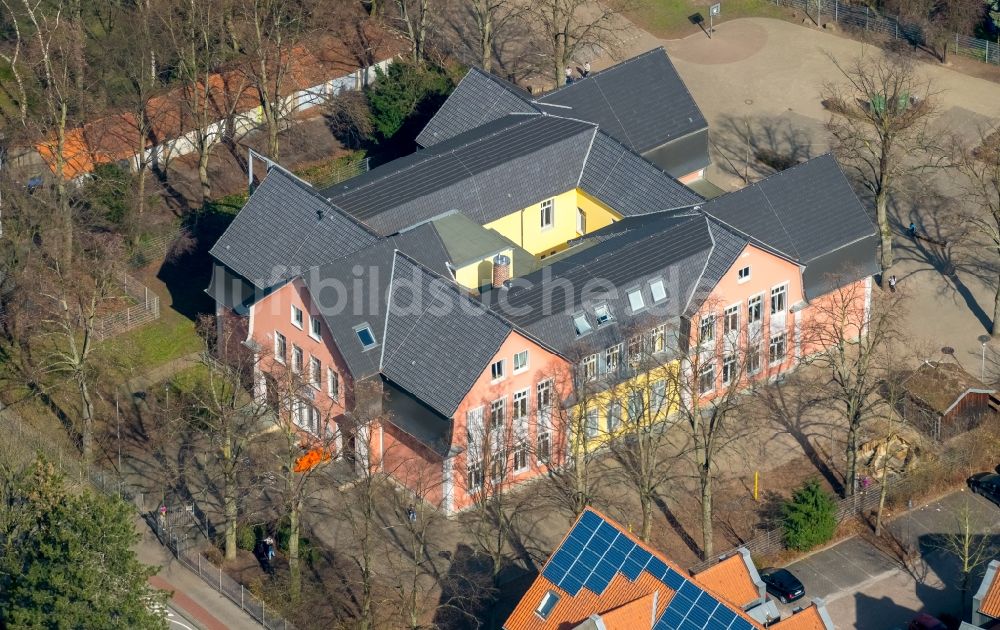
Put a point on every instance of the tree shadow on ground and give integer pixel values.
(789, 403)
(677, 526)
(754, 147)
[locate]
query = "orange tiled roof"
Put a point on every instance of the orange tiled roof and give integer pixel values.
(570, 610)
(990, 605)
(77, 156)
(635, 615)
(806, 619)
(730, 579)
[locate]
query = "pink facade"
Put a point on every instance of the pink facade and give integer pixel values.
(272, 316)
(523, 384)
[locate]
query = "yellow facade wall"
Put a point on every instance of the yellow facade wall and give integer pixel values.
(525, 226)
(480, 273)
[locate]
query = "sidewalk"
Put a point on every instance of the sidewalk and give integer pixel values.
(198, 601)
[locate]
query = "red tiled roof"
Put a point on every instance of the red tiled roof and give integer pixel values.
(635, 615)
(990, 605)
(730, 579)
(806, 619)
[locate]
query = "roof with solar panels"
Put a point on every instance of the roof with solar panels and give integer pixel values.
(602, 578)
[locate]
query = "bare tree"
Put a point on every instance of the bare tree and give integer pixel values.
(574, 28)
(710, 400)
(981, 167)
(967, 545)
(490, 17)
(852, 340)
(414, 19)
(638, 407)
(940, 20)
(879, 123)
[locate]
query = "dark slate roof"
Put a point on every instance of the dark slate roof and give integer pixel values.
(628, 183)
(504, 166)
(851, 262)
(285, 228)
(427, 313)
(486, 173)
(805, 212)
(674, 246)
(418, 420)
(479, 98)
(333, 286)
(642, 102)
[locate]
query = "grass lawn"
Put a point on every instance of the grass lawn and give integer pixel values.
(170, 337)
(668, 19)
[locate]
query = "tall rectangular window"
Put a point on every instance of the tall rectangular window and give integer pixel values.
(547, 214)
(474, 428)
(614, 415)
(519, 414)
(591, 420)
(778, 298)
(635, 351)
(332, 384)
(520, 456)
(754, 309)
(581, 221)
(635, 406)
(475, 475)
(658, 397)
(728, 368)
(280, 347)
(296, 359)
(543, 446)
(297, 317)
(707, 328)
(753, 358)
(315, 372)
(315, 330)
(658, 338)
(613, 358)
(706, 377)
(498, 415)
(590, 367)
(731, 319)
(497, 370)
(777, 348)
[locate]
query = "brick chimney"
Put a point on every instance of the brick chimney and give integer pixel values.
(501, 270)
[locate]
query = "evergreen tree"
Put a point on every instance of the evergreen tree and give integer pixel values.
(406, 94)
(66, 558)
(810, 517)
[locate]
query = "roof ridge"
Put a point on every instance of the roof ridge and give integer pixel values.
(750, 238)
(311, 190)
(597, 74)
(650, 163)
(780, 222)
(697, 282)
(613, 111)
(507, 85)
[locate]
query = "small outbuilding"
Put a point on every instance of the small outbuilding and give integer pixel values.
(942, 400)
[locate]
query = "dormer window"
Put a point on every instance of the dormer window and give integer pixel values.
(602, 313)
(549, 601)
(366, 336)
(635, 300)
(658, 290)
(581, 324)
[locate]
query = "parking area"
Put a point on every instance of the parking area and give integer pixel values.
(867, 589)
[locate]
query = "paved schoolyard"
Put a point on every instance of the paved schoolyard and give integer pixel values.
(867, 589)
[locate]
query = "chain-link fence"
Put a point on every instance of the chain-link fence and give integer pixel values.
(865, 18)
(146, 308)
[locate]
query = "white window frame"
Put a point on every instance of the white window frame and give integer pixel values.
(591, 422)
(731, 316)
(658, 396)
(524, 362)
(298, 359)
(520, 410)
(474, 474)
(771, 345)
(315, 372)
(543, 447)
(753, 358)
(614, 415)
(581, 221)
(728, 368)
(297, 317)
(498, 374)
(636, 301)
(706, 321)
(332, 384)
(782, 291)
(740, 278)
(581, 324)
(658, 333)
(635, 406)
(658, 282)
(706, 371)
(547, 603)
(590, 367)
(475, 428)
(371, 333)
(495, 426)
(755, 302)
(603, 314)
(611, 366)
(519, 455)
(547, 211)
(280, 348)
(315, 328)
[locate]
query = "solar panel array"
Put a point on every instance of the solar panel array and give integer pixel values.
(595, 551)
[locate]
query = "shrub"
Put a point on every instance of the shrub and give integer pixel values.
(403, 92)
(810, 517)
(246, 537)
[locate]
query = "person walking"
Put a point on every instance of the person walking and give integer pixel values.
(586, 70)
(569, 75)
(912, 230)
(892, 284)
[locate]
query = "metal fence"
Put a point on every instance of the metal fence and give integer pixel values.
(154, 248)
(145, 309)
(178, 529)
(863, 17)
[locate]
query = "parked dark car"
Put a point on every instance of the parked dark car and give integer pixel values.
(923, 621)
(782, 584)
(986, 484)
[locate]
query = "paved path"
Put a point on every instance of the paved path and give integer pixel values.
(867, 589)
